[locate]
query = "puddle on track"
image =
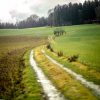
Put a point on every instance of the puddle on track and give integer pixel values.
(50, 91)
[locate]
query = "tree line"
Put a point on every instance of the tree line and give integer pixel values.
(67, 14)
(76, 13)
(32, 21)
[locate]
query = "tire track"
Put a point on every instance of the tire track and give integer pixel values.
(50, 91)
(95, 88)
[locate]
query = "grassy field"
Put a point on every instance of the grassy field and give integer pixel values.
(12, 50)
(83, 40)
(14, 43)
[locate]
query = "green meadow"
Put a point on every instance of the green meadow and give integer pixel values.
(82, 40)
(40, 31)
(79, 39)
(20, 81)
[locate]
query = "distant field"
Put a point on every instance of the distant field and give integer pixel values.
(41, 31)
(83, 40)
(85, 30)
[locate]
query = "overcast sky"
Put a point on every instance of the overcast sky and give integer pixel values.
(16, 10)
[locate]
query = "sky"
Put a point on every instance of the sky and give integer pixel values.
(17, 10)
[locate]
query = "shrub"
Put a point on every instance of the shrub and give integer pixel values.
(59, 32)
(60, 53)
(73, 58)
(50, 48)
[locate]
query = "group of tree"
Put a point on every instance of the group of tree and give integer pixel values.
(32, 21)
(7, 26)
(68, 14)
(77, 13)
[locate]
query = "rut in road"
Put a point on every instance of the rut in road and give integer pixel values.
(50, 91)
(91, 85)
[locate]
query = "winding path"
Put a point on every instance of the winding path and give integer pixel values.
(91, 85)
(50, 91)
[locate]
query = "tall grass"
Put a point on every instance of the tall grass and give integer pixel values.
(12, 50)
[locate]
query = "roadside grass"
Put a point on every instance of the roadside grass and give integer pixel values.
(65, 83)
(12, 49)
(85, 71)
(32, 89)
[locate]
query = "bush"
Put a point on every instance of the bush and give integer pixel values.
(73, 58)
(59, 32)
(60, 54)
(50, 48)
